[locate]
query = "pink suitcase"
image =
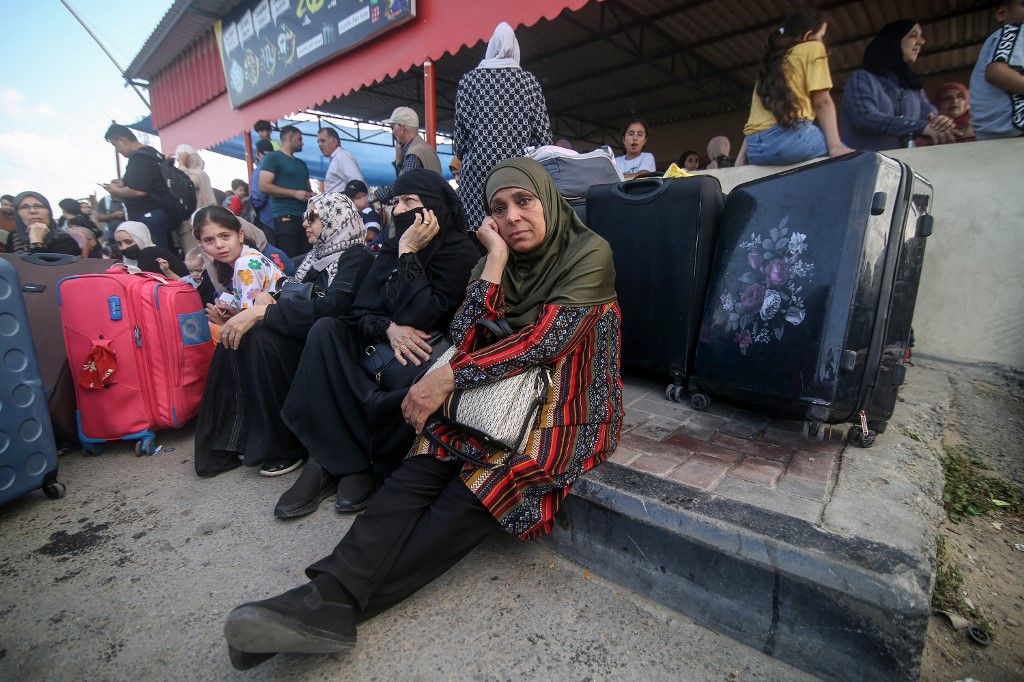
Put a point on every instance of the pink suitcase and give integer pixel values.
(139, 347)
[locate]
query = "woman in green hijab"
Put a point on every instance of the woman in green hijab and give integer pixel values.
(551, 279)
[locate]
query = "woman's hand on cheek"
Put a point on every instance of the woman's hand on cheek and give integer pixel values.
(424, 228)
(426, 396)
(491, 239)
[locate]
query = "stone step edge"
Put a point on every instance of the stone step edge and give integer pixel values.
(838, 607)
(800, 549)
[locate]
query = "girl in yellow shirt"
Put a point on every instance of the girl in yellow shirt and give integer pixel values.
(791, 94)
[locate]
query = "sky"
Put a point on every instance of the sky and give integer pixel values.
(60, 92)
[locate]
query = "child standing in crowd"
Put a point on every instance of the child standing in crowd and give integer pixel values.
(997, 83)
(241, 269)
(792, 92)
(635, 162)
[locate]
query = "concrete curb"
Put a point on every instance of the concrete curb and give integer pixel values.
(846, 598)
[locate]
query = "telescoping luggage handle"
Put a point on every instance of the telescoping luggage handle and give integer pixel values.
(641, 190)
(45, 259)
(50, 258)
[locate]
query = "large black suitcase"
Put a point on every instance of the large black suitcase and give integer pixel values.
(662, 235)
(39, 274)
(28, 455)
(812, 292)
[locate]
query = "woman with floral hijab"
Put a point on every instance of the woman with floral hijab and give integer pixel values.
(240, 417)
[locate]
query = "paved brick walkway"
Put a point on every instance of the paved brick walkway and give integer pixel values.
(728, 451)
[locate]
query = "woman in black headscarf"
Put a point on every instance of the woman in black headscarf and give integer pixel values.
(34, 228)
(351, 427)
(884, 105)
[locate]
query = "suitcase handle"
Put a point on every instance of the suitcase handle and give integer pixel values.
(50, 258)
(641, 189)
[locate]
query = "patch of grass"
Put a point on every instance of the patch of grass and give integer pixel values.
(970, 491)
(913, 435)
(948, 594)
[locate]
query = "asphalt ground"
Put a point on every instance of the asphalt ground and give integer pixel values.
(131, 575)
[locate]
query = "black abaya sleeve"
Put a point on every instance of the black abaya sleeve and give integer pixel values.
(295, 318)
(429, 300)
(147, 261)
(59, 242)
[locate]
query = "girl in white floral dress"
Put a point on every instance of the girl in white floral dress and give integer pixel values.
(241, 269)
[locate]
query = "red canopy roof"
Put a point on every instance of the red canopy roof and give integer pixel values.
(184, 113)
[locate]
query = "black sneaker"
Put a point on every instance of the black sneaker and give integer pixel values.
(279, 467)
(298, 621)
(354, 492)
(313, 486)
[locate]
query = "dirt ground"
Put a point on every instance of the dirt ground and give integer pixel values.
(993, 572)
(989, 409)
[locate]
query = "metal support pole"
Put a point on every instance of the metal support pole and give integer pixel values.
(106, 52)
(430, 103)
(249, 158)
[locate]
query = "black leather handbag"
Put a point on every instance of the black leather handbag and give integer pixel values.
(380, 363)
(295, 291)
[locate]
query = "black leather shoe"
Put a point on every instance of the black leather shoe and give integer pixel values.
(243, 660)
(298, 621)
(354, 492)
(313, 486)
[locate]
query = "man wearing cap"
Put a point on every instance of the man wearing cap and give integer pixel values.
(412, 151)
(343, 166)
(357, 191)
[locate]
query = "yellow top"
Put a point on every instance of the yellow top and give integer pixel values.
(806, 68)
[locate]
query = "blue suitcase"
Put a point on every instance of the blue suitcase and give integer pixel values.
(28, 454)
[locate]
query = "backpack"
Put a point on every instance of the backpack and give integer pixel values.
(179, 196)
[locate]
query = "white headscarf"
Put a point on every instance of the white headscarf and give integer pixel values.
(502, 50)
(141, 237)
(194, 166)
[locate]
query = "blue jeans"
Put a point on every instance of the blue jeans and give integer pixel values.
(160, 226)
(781, 146)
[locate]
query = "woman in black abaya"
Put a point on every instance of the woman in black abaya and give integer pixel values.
(239, 420)
(354, 430)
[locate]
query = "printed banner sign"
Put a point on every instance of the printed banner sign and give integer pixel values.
(268, 42)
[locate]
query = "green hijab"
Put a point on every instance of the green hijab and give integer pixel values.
(571, 267)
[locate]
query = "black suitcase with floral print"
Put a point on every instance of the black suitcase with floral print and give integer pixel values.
(662, 235)
(812, 293)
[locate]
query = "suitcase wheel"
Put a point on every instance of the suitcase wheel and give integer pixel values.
(861, 438)
(676, 394)
(92, 449)
(699, 401)
(815, 430)
(55, 490)
(145, 446)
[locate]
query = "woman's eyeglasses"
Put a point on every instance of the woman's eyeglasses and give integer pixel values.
(31, 207)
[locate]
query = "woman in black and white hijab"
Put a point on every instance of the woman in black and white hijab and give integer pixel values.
(240, 417)
(332, 225)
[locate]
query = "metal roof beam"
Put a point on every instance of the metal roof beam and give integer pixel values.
(602, 34)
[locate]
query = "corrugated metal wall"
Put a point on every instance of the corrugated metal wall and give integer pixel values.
(195, 78)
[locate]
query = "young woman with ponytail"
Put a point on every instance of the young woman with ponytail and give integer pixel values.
(791, 94)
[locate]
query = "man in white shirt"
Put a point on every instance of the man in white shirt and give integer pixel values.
(343, 167)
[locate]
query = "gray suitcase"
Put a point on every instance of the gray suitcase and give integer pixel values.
(28, 455)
